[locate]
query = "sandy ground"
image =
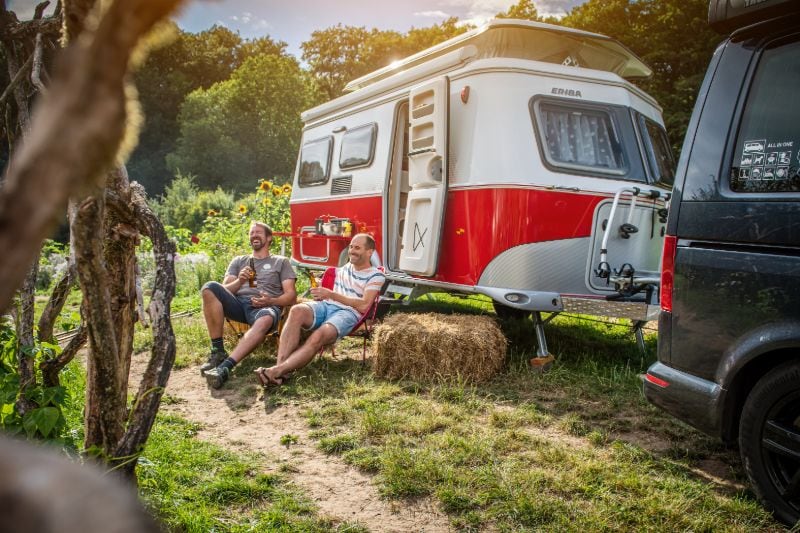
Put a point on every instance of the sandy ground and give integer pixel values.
(239, 418)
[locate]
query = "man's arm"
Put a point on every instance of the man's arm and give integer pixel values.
(234, 283)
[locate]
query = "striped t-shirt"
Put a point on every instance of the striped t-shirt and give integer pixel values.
(354, 283)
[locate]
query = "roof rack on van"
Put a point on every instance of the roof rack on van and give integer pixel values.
(726, 16)
(525, 39)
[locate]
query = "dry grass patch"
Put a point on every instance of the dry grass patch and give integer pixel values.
(431, 345)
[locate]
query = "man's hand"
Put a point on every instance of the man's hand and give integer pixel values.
(244, 275)
(262, 300)
(321, 293)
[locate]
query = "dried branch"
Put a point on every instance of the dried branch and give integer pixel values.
(154, 380)
(36, 69)
(39, 11)
(56, 303)
(75, 134)
(18, 77)
(52, 367)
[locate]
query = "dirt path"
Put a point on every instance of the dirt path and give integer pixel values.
(238, 418)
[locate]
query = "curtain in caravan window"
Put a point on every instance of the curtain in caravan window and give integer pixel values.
(581, 138)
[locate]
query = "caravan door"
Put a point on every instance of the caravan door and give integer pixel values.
(427, 177)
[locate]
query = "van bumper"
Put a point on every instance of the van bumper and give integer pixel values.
(688, 398)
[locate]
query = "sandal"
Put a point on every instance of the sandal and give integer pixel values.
(266, 381)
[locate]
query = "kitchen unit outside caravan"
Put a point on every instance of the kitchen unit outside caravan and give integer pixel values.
(516, 161)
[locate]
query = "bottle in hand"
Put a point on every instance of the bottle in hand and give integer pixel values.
(313, 280)
(252, 265)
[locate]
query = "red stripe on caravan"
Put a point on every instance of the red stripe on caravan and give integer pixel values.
(480, 224)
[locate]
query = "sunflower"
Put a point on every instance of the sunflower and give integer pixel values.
(242, 209)
(265, 186)
(266, 202)
(277, 191)
(287, 189)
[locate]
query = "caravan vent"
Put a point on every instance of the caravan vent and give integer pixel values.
(341, 185)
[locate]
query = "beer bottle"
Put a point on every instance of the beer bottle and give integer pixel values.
(313, 280)
(252, 280)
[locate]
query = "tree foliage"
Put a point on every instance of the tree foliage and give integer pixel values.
(191, 61)
(339, 54)
(671, 36)
(183, 205)
(244, 128)
(524, 9)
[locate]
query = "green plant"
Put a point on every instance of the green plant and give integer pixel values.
(43, 421)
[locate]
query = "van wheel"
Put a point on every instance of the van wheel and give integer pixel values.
(769, 441)
(505, 312)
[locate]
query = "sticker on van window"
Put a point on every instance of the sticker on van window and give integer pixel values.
(782, 173)
(772, 159)
(754, 146)
(747, 160)
(758, 159)
(784, 158)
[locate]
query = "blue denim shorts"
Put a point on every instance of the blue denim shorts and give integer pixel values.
(327, 313)
(239, 309)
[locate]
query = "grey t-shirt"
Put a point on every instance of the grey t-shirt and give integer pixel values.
(271, 272)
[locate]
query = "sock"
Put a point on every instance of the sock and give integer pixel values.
(217, 345)
(228, 363)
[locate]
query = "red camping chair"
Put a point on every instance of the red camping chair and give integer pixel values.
(363, 327)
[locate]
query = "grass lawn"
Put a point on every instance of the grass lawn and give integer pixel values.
(575, 448)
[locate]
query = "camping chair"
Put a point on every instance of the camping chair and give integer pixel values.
(240, 328)
(363, 327)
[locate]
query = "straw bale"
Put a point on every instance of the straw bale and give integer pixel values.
(431, 345)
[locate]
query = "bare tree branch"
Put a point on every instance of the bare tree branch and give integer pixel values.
(52, 367)
(56, 303)
(154, 380)
(36, 68)
(18, 77)
(39, 11)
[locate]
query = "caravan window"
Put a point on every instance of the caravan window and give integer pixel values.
(315, 159)
(577, 136)
(358, 147)
(659, 153)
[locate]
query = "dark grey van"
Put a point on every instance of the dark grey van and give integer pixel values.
(729, 328)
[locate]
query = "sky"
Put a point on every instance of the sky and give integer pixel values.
(292, 21)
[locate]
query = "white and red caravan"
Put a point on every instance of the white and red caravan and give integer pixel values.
(515, 161)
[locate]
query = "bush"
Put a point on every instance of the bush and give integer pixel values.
(184, 206)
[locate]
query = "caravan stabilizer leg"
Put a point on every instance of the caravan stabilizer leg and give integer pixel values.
(543, 358)
(637, 331)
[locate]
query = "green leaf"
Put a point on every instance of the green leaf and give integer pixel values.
(44, 420)
(54, 396)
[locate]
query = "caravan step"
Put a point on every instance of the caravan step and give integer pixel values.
(399, 289)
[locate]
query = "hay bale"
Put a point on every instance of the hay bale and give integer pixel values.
(432, 345)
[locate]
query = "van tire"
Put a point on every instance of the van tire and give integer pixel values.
(772, 413)
(505, 312)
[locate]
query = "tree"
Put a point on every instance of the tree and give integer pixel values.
(524, 9)
(651, 28)
(245, 128)
(339, 54)
(75, 138)
(189, 62)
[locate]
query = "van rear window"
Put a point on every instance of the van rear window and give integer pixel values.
(358, 147)
(583, 138)
(767, 152)
(315, 159)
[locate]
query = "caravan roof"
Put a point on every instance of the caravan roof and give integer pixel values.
(522, 39)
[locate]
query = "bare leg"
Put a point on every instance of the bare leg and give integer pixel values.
(326, 334)
(212, 311)
(300, 316)
(254, 336)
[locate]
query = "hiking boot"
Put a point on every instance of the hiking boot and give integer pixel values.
(217, 377)
(214, 360)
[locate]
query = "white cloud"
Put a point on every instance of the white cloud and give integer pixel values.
(431, 14)
(248, 22)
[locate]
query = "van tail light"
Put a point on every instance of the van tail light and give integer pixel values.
(668, 272)
(656, 381)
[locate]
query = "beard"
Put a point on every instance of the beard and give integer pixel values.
(257, 244)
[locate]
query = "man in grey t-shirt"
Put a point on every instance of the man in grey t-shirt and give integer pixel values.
(254, 290)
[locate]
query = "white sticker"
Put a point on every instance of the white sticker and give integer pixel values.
(744, 174)
(782, 173)
(758, 159)
(747, 160)
(772, 159)
(755, 146)
(784, 158)
(769, 174)
(757, 173)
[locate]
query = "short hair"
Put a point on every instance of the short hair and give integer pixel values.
(267, 229)
(370, 242)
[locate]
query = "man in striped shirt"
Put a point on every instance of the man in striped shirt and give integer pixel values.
(331, 315)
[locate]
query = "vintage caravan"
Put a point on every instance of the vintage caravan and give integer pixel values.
(516, 161)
